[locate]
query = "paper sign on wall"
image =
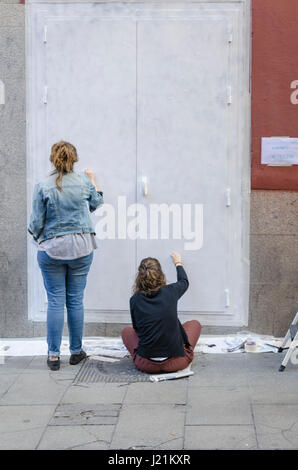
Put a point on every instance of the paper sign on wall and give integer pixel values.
(279, 151)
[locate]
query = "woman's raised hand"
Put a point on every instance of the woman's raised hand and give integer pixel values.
(89, 173)
(176, 258)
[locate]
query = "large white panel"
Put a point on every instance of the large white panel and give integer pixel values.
(91, 102)
(141, 89)
(182, 142)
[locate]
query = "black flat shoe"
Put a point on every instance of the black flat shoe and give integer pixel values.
(54, 364)
(76, 358)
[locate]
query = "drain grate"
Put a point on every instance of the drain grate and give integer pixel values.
(121, 371)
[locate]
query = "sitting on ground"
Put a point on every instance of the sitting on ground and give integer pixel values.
(157, 341)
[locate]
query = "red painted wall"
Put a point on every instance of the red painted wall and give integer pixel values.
(274, 68)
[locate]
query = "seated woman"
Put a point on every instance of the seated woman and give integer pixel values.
(158, 342)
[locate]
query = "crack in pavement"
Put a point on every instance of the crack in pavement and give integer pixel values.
(155, 447)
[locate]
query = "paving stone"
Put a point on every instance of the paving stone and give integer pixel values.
(21, 427)
(262, 369)
(220, 437)
(15, 365)
(232, 370)
(160, 392)
(263, 361)
(219, 405)
(98, 445)
(95, 393)
(39, 364)
(31, 364)
(35, 389)
(76, 437)
(172, 444)
(6, 380)
(149, 426)
(279, 393)
(276, 426)
(85, 414)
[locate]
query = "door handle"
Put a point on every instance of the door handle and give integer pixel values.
(145, 185)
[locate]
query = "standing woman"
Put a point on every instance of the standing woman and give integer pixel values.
(60, 223)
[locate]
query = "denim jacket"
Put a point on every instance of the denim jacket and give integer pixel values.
(58, 212)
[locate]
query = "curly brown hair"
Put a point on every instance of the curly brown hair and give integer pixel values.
(150, 277)
(63, 156)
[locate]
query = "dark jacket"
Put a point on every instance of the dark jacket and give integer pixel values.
(156, 321)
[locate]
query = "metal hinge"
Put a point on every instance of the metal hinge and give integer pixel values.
(2, 92)
(45, 94)
(227, 294)
(45, 33)
(230, 35)
(229, 94)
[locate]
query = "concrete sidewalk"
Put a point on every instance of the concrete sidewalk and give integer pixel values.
(237, 401)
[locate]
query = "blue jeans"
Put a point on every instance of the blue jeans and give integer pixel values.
(65, 281)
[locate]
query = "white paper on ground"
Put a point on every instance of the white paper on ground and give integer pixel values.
(114, 347)
(171, 375)
(111, 347)
(102, 351)
(224, 343)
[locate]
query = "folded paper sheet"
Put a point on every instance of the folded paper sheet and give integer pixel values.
(171, 375)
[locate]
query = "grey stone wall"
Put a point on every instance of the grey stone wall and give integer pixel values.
(274, 216)
(274, 260)
(13, 263)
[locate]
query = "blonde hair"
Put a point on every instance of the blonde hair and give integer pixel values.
(63, 156)
(150, 277)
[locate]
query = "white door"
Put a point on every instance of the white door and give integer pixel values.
(153, 97)
(90, 71)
